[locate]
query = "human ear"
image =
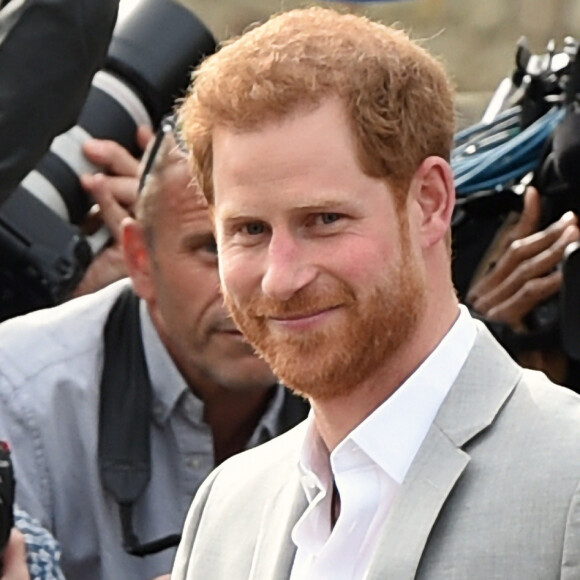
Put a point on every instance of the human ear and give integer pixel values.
(433, 190)
(136, 252)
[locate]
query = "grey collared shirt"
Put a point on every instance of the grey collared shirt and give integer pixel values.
(176, 408)
(50, 370)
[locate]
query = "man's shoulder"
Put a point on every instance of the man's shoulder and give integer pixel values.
(53, 336)
(537, 430)
(493, 394)
(229, 507)
(540, 405)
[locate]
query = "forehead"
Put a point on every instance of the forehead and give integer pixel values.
(179, 199)
(310, 152)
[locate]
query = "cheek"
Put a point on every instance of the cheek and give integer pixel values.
(359, 261)
(240, 275)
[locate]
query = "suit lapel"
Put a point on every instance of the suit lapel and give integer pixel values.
(477, 396)
(274, 553)
(436, 468)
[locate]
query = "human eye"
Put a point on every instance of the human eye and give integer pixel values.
(253, 228)
(324, 219)
(210, 246)
(201, 245)
(244, 232)
(328, 217)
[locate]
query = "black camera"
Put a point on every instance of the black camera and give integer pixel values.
(531, 137)
(7, 487)
(43, 254)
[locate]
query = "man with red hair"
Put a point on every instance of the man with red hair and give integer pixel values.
(322, 141)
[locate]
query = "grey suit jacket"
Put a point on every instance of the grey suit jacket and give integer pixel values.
(492, 493)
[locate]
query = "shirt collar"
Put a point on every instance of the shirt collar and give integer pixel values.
(393, 433)
(269, 425)
(167, 382)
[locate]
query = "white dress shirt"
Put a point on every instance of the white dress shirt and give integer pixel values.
(369, 466)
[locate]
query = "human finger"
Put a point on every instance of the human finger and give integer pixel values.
(14, 559)
(123, 189)
(144, 135)
(527, 270)
(530, 216)
(112, 157)
(551, 240)
(115, 196)
(515, 227)
(514, 310)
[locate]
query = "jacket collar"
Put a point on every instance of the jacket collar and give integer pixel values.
(483, 386)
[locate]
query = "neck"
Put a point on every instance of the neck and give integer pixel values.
(233, 417)
(231, 412)
(336, 417)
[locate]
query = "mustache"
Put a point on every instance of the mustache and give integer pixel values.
(305, 302)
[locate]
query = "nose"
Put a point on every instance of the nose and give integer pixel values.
(289, 267)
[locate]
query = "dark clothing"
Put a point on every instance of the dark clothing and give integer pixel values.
(49, 52)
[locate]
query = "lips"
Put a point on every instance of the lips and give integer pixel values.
(301, 315)
(301, 322)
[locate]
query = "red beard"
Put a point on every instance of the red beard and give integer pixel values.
(367, 330)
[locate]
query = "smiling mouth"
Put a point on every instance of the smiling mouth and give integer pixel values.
(303, 315)
(302, 320)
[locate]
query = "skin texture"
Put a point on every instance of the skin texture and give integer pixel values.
(307, 236)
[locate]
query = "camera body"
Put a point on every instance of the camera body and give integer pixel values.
(43, 253)
(7, 487)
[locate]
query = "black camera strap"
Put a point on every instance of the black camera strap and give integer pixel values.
(124, 419)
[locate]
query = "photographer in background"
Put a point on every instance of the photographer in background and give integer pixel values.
(203, 393)
(59, 44)
(519, 272)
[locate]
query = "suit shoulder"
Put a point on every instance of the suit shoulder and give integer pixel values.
(550, 405)
(539, 428)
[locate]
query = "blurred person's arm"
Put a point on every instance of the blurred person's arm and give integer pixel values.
(49, 52)
(115, 191)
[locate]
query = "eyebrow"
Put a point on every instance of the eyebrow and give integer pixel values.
(335, 205)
